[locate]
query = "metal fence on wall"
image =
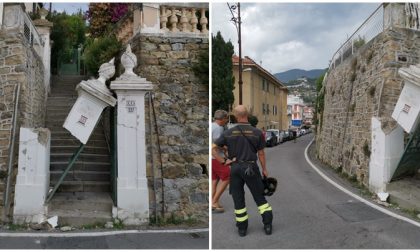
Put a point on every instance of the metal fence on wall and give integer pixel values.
(30, 32)
(373, 25)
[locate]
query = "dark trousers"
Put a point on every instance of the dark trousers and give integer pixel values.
(242, 173)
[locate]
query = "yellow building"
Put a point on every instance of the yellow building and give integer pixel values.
(264, 95)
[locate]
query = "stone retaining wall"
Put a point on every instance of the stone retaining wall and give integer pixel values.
(181, 106)
(19, 65)
(365, 85)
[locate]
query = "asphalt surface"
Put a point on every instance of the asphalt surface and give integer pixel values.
(120, 241)
(310, 213)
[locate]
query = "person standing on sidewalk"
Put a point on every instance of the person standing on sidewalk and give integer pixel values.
(220, 172)
(245, 145)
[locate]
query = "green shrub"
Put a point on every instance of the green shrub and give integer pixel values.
(99, 51)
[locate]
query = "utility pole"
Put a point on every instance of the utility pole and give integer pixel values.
(237, 22)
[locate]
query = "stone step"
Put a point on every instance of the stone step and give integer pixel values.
(84, 186)
(83, 157)
(90, 201)
(81, 166)
(75, 175)
(75, 142)
(72, 149)
(96, 135)
(80, 218)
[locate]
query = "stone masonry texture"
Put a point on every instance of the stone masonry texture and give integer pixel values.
(181, 106)
(366, 84)
(19, 65)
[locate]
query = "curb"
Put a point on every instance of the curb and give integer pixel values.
(357, 197)
(105, 233)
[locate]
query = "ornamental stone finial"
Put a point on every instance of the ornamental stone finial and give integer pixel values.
(129, 61)
(106, 71)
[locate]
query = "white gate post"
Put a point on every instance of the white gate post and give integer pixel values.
(132, 189)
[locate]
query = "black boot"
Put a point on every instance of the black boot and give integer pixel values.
(242, 232)
(268, 228)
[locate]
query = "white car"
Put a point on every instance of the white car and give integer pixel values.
(278, 135)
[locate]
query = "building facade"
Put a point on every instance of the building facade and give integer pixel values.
(263, 95)
(295, 107)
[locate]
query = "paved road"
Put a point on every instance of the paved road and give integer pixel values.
(310, 213)
(121, 241)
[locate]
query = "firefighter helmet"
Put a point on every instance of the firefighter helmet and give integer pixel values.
(270, 185)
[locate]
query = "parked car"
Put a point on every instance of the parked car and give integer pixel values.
(278, 135)
(283, 136)
(286, 136)
(270, 139)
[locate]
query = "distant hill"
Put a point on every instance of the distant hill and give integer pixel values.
(294, 74)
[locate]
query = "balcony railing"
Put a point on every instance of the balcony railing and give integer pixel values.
(187, 19)
(184, 18)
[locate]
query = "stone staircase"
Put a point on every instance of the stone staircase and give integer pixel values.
(84, 196)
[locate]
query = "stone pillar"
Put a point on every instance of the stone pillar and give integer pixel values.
(407, 109)
(394, 15)
(387, 150)
(132, 189)
(1, 14)
(44, 29)
(94, 96)
(32, 180)
(150, 21)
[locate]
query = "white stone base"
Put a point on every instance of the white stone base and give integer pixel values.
(33, 176)
(133, 204)
(386, 153)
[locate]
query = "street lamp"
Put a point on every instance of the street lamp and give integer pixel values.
(236, 9)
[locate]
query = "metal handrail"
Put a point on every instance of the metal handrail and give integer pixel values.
(350, 41)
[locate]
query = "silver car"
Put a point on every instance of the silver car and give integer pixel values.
(277, 134)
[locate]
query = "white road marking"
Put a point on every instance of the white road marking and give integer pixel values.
(104, 233)
(381, 209)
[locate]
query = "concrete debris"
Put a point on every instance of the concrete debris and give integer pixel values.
(109, 224)
(383, 196)
(382, 203)
(40, 226)
(66, 229)
(53, 221)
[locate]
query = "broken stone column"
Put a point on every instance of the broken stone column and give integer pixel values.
(407, 109)
(387, 149)
(94, 96)
(33, 178)
(132, 189)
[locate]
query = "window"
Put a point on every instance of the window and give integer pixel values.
(274, 110)
(263, 108)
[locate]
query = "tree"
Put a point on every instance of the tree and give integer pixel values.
(222, 74)
(67, 33)
(101, 16)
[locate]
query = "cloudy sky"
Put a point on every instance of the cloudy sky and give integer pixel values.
(291, 35)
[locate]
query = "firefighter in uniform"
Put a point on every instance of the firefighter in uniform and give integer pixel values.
(245, 145)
